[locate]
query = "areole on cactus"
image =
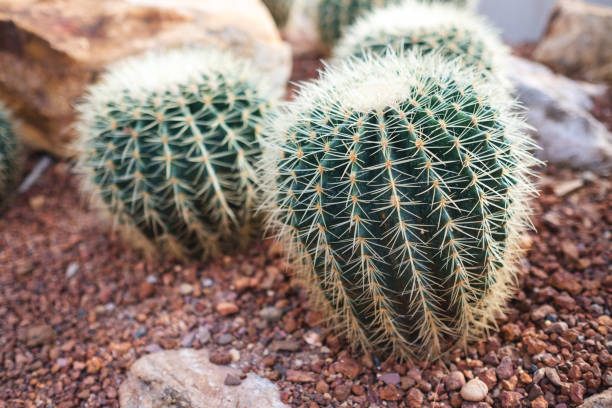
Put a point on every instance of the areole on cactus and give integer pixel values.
(9, 154)
(168, 145)
(400, 186)
(450, 31)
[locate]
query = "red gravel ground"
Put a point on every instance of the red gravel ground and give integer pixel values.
(78, 307)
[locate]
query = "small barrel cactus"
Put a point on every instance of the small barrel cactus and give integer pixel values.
(400, 187)
(168, 146)
(280, 10)
(447, 30)
(333, 16)
(9, 155)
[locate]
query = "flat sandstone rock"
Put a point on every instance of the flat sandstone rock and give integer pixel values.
(558, 109)
(50, 50)
(579, 40)
(185, 378)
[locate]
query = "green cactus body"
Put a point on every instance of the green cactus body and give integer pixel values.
(168, 145)
(9, 160)
(401, 189)
(280, 10)
(449, 31)
(335, 15)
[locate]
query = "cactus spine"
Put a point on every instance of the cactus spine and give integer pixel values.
(168, 145)
(400, 189)
(452, 32)
(280, 10)
(9, 155)
(335, 15)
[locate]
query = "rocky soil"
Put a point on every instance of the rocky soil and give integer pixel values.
(78, 307)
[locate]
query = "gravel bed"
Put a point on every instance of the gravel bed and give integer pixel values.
(78, 307)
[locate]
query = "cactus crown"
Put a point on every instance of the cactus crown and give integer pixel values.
(335, 15)
(400, 189)
(9, 165)
(168, 145)
(450, 31)
(280, 10)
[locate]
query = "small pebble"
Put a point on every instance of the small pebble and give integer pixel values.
(220, 357)
(390, 378)
(454, 381)
(185, 289)
(474, 390)
(227, 308)
(139, 332)
(510, 399)
(232, 381)
(224, 338)
(72, 269)
(284, 345)
(539, 402)
(145, 290)
(203, 335)
(390, 393)
(505, 370)
(235, 355)
(414, 398)
(342, 391)
(348, 367)
(39, 335)
(271, 314)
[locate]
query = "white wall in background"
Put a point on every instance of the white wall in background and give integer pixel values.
(522, 20)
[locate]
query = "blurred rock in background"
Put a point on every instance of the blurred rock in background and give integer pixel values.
(301, 29)
(559, 110)
(523, 21)
(578, 41)
(50, 50)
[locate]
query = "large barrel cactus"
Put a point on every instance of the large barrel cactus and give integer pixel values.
(400, 186)
(168, 146)
(9, 160)
(450, 31)
(333, 16)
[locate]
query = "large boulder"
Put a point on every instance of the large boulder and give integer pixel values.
(50, 50)
(558, 109)
(579, 40)
(185, 378)
(602, 400)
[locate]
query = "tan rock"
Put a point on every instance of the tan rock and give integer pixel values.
(50, 50)
(186, 378)
(602, 400)
(301, 29)
(578, 40)
(474, 390)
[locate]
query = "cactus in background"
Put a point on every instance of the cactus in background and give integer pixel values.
(168, 145)
(9, 155)
(450, 31)
(334, 16)
(280, 10)
(400, 186)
